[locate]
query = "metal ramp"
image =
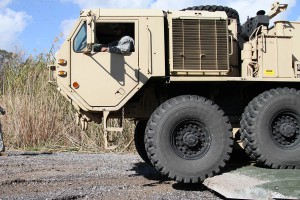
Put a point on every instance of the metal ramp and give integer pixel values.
(252, 182)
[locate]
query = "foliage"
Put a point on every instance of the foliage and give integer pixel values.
(38, 117)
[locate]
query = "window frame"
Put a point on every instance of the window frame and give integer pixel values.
(81, 25)
(133, 21)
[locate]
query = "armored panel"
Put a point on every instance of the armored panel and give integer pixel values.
(200, 45)
(275, 57)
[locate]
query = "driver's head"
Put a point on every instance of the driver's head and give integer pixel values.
(118, 29)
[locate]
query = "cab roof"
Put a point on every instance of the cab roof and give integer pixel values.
(123, 12)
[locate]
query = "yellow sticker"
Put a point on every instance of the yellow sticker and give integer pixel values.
(269, 72)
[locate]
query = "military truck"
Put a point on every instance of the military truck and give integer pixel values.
(195, 81)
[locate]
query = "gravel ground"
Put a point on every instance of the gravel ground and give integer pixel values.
(88, 176)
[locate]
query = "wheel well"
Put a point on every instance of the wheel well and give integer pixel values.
(232, 97)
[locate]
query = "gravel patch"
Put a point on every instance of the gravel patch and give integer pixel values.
(27, 175)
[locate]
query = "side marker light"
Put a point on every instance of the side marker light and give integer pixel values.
(76, 85)
(62, 62)
(62, 73)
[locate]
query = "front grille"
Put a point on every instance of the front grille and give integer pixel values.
(200, 45)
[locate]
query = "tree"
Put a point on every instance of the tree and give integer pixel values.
(5, 57)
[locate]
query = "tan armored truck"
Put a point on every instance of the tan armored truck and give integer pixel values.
(192, 76)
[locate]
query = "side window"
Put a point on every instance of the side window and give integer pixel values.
(108, 33)
(80, 39)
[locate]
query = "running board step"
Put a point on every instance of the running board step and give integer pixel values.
(108, 130)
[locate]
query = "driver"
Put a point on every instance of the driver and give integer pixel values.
(123, 45)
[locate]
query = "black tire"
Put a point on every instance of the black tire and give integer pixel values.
(231, 13)
(188, 138)
(139, 134)
(270, 128)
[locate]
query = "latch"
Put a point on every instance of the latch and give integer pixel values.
(297, 69)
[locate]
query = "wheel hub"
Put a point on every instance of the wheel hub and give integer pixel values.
(190, 139)
(286, 130)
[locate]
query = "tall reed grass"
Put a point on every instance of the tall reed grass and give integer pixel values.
(38, 117)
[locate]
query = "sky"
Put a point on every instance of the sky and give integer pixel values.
(32, 26)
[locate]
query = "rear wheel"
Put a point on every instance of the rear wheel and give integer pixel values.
(270, 128)
(188, 138)
(139, 134)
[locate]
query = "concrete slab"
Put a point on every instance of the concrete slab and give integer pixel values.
(251, 182)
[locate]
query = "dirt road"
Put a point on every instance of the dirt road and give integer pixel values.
(88, 176)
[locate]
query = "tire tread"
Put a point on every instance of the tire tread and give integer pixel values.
(151, 148)
(248, 119)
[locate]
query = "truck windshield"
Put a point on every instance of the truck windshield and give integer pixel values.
(80, 39)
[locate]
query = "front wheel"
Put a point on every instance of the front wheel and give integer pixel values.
(188, 138)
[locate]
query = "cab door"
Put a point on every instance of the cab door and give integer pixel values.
(104, 79)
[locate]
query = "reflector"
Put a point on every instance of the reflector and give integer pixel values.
(76, 85)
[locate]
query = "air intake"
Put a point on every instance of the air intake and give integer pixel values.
(200, 45)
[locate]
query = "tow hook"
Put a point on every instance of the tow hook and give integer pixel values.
(2, 112)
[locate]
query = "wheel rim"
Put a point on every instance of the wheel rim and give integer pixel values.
(285, 128)
(190, 139)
